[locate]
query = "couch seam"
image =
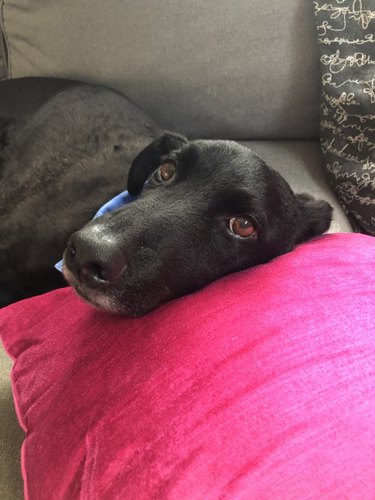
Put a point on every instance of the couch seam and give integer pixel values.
(5, 41)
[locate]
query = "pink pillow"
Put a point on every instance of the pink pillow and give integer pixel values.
(261, 385)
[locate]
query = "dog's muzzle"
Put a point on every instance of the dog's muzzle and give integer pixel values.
(94, 257)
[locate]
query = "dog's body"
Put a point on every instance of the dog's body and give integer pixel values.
(211, 208)
(57, 168)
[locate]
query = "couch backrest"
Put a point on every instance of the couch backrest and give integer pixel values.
(239, 69)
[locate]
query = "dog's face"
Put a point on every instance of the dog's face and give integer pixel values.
(205, 209)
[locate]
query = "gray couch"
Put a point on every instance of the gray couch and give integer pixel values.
(247, 71)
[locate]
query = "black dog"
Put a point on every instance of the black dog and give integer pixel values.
(205, 209)
(57, 167)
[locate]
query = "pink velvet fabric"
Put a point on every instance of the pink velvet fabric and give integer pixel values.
(261, 385)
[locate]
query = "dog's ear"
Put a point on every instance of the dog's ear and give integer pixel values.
(316, 216)
(148, 159)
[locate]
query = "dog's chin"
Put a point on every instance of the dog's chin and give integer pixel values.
(108, 303)
(98, 300)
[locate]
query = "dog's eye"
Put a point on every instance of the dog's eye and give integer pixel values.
(165, 172)
(242, 226)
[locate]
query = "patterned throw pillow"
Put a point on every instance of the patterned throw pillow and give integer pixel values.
(346, 36)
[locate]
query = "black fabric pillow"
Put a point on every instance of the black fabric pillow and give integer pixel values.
(346, 36)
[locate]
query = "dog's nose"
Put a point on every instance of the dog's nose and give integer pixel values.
(94, 258)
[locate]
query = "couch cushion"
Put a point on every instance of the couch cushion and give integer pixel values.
(208, 69)
(301, 163)
(261, 385)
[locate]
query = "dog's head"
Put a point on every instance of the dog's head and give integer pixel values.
(205, 209)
